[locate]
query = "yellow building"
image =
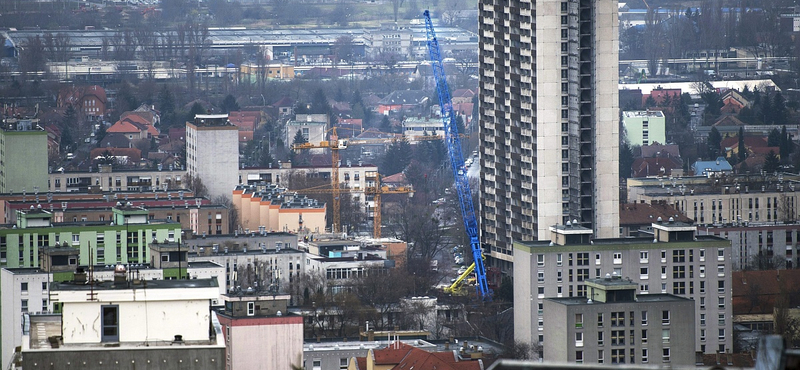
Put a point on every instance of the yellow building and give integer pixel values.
(253, 72)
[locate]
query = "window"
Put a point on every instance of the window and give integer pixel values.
(316, 364)
(702, 319)
(541, 309)
(643, 273)
(618, 337)
(663, 272)
(721, 318)
(617, 356)
(644, 256)
(579, 357)
(76, 239)
(679, 256)
(720, 254)
(721, 302)
(558, 259)
(617, 258)
(540, 276)
(720, 270)
(679, 287)
(644, 355)
(343, 363)
(541, 292)
(665, 317)
(702, 255)
(578, 320)
(618, 319)
(44, 305)
(44, 286)
(558, 277)
(665, 354)
(644, 318)
(251, 308)
(597, 259)
(541, 323)
(702, 271)
(644, 335)
(663, 256)
(23, 287)
(599, 320)
(665, 336)
(721, 286)
(702, 303)
(599, 356)
(579, 339)
(600, 338)
(24, 305)
(702, 335)
(110, 323)
(540, 260)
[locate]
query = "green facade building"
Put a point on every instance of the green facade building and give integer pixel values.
(125, 240)
(23, 156)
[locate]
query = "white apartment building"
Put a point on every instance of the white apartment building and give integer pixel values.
(549, 116)
(212, 153)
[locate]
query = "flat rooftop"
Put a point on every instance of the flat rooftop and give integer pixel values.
(148, 284)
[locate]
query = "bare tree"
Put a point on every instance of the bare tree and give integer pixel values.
(195, 184)
(396, 4)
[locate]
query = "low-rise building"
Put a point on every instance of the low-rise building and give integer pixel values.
(251, 319)
(106, 178)
(273, 208)
(137, 323)
(612, 324)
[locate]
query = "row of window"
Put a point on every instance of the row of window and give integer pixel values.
(582, 259)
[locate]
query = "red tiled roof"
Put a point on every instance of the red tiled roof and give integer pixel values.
(245, 136)
(420, 359)
(392, 354)
(728, 120)
(244, 120)
(749, 142)
(463, 93)
(398, 178)
(125, 127)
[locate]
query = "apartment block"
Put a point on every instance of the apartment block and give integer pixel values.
(23, 149)
(106, 178)
(674, 260)
(122, 239)
(212, 153)
(549, 120)
(644, 127)
(614, 325)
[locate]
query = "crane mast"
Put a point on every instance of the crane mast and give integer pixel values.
(453, 143)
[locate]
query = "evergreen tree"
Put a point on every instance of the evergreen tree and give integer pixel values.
(742, 150)
(625, 159)
(319, 103)
(194, 111)
(771, 163)
(386, 125)
(780, 113)
(396, 158)
(786, 144)
(166, 104)
(774, 138)
(299, 138)
(767, 114)
(714, 142)
(229, 104)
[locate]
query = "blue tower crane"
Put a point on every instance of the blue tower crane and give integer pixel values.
(456, 158)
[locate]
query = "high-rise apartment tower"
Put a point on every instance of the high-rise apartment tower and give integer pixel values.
(549, 116)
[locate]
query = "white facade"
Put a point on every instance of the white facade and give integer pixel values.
(420, 126)
(26, 290)
(247, 349)
(151, 312)
(313, 127)
(549, 120)
(212, 154)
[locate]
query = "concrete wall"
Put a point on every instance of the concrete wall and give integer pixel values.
(142, 358)
(247, 344)
(140, 321)
(213, 156)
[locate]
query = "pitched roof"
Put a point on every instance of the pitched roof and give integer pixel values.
(244, 120)
(755, 292)
(408, 97)
(124, 127)
(660, 150)
(643, 167)
(463, 93)
(133, 154)
(374, 133)
(245, 136)
(631, 214)
(284, 102)
(115, 140)
(728, 120)
(404, 356)
(749, 142)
